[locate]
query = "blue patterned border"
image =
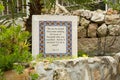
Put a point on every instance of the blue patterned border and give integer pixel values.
(43, 24)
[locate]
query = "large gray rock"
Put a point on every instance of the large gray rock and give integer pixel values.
(84, 22)
(102, 30)
(92, 30)
(102, 46)
(112, 19)
(117, 58)
(45, 70)
(114, 30)
(98, 17)
(81, 32)
(95, 68)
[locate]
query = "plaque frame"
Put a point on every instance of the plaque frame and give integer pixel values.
(52, 20)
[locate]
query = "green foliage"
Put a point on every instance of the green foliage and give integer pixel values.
(50, 59)
(2, 75)
(114, 6)
(78, 4)
(81, 2)
(6, 62)
(82, 54)
(1, 8)
(19, 68)
(85, 4)
(34, 76)
(48, 5)
(14, 47)
(13, 40)
(10, 18)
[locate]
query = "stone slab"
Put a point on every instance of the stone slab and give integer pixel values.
(93, 46)
(54, 35)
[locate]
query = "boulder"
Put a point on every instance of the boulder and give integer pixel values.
(98, 17)
(81, 32)
(113, 19)
(114, 30)
(102, 30)
(92, 30)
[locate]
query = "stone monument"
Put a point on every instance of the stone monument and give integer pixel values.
(54, 35)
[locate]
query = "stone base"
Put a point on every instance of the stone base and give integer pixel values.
(95, 68)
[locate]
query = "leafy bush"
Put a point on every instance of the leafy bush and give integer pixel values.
(81, 53)
(1, 75)
(34, 76)
(14, 47)
(19, 68)
(1, 7)
(10, 19)
(114, 5)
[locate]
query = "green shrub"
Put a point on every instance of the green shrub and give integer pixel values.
(111, 4)
(14, 47)
(19, 68)
(1, 75)
(81, 53)
(34, 76)
(1, 8)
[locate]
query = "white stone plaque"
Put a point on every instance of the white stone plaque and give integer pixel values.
(54, 35)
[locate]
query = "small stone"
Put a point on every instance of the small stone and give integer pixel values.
(115, 12)
(81, 32)
(92, 30)
(84, 22)
(77, 12)
(112, 19)
(102, 30)
(114, 30)
(61, 74)
(96, 74)
(109, 11)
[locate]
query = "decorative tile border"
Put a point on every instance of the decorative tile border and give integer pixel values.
(67, 24)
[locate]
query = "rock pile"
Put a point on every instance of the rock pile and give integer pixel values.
(97, 24)
(98, 31)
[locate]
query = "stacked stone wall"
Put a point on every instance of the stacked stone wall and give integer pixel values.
(98, 32)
